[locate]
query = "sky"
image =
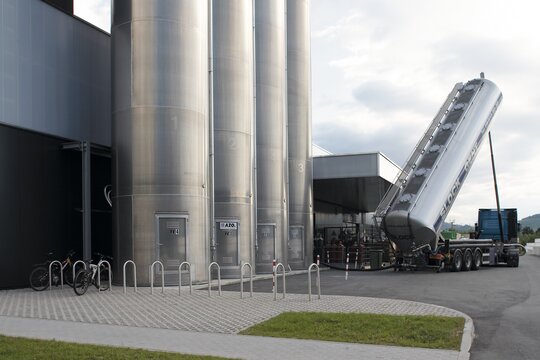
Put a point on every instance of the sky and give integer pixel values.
(382, 68)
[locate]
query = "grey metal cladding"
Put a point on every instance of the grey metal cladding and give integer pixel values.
(61, 90)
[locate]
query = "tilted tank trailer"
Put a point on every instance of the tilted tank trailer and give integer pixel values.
(414, 209)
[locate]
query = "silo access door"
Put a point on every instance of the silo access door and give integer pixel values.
(296, 244)
(227, 243)
(266, 247)
(170, 245)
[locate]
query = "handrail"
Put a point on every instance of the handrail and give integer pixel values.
(134, 274)
(210, 278)
(318, 281)
(283, 277)
(242, 280)
(152, 277)
(180, 278)
(99, 273)
(74, 266)
(61, 274)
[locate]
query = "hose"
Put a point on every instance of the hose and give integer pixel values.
(377, 269)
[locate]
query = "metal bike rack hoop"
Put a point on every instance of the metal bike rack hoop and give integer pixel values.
(318, 281)
(180, 277)
(134, 274)
(283, 277)
(210, 278)
(101, 262)
(152, 277)
(75, 265)
(242, 280)
(61, 274)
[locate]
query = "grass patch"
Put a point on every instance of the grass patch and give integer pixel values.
(433, 332)
(14, 348)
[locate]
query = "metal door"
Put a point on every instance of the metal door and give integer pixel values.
(296, 243)
(171, 240)
(266, 242)
(227, 242)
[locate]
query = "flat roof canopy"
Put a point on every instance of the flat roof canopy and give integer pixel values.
(355, 182)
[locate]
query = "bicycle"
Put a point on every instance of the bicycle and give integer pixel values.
(39, 277)
(88, 276)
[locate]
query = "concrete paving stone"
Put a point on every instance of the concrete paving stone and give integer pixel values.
(145, 320)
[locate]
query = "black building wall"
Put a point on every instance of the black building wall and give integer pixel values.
(40, 203)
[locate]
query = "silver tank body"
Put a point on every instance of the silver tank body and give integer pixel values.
(233, 107)
(160, 130)
(271, 89)
(418, 211)
(300, 246)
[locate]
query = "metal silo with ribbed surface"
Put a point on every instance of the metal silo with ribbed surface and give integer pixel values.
(271, 90)
(233, 106)
(300, 243)
(160, 134)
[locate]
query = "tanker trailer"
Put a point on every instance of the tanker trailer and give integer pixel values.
(413, 210)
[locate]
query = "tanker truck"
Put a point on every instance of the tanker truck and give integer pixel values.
(413, 210)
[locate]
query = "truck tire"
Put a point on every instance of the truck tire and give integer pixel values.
(467, 260)
(457, 261)
(477, 260)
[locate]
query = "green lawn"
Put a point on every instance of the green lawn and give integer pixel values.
(434, 332)
(12, 348)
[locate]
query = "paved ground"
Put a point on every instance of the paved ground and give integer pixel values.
(503, 302)
(195, 323)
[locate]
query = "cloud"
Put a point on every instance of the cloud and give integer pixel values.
(96, 12)
(384, 96)
(381, 69)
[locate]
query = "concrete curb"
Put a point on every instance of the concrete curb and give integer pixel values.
(467, 338)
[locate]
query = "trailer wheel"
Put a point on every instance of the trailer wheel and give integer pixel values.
(477, 260)
(467, 260)
(457, 261)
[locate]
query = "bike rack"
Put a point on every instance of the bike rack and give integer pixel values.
(75, 265)
(152, 277)
(61, 274)
(180, 278)
(283, 277)
(210, 278)
(134, 274)
(99, 273)
(242, 280)
(318, 282)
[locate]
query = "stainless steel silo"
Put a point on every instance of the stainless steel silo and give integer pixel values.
(300, 243)
(160, 134)
(271, 159)
(233, 106)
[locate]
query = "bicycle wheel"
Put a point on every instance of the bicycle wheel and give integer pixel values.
(68, 275)
(39, 278)
(82, 281)
(103, 279)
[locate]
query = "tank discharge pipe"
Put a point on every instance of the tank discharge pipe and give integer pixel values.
(318, 281)
(188, 265)
(157, 262)
(134, 275)
(283, 277)
(210, 278)
(242, 280)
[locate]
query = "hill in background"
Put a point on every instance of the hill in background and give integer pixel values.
(532, 221)
(462, 229)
